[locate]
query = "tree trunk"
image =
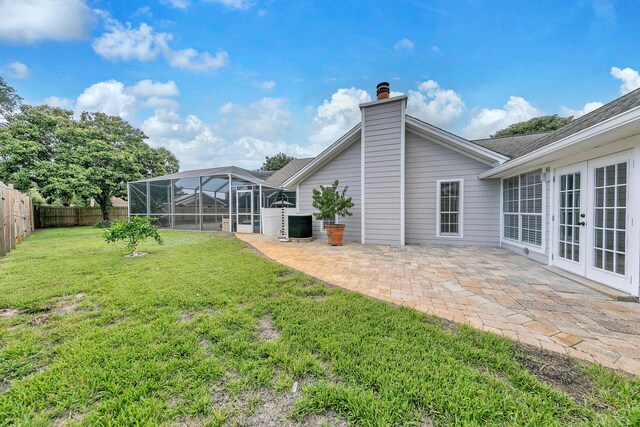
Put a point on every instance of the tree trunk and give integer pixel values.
(105, 203)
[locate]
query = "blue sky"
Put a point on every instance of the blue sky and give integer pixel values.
(223, 82)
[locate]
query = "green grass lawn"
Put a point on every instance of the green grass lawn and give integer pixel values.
(203, 331)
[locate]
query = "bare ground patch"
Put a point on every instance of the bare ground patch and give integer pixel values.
(266, 408)
(283, 274)
(557, 370)
(10, 312)
(267, 330)
(188, 316)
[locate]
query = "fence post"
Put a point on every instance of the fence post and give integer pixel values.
(3, 249)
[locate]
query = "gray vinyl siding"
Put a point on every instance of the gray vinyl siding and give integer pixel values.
(427, 162)
(382, 168)
(346, 168)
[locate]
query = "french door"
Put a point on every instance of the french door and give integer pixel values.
(571, 230)
(592, 220)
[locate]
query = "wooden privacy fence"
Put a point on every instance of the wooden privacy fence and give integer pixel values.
(16, 218)
(69, 216)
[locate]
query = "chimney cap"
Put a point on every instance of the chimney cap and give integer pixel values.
(382, 90)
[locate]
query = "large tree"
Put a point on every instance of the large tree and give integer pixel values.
(535, 125)
(94, 157)
(9, 100)
(276, 162)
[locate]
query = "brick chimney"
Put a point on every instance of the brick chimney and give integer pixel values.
(382, 90)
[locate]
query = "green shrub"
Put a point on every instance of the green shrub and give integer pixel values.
(134, 231)
(331, 202)
(104, 224)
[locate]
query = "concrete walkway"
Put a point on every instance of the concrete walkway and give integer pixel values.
(489, 288)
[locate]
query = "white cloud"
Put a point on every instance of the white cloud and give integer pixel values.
(123, 42)
(55, 101)
(436, 49)
(435, 105)
(404, 44)
(196, 145)
(336, 116)
(18, 70)
(114, 98)
(487, 121)
(178, 4)
(630, 79)
(265, 118)
(192, 60)
(126, 43)
(588, 107)
(267, 85)
(143, 11)
(151, 88)
(108, 97)
(33, 20)
(234, 4)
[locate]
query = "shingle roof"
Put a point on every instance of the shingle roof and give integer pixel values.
(278, 178)
(509, 145)
(519, 145)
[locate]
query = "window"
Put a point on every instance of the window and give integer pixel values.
(449, 202)
(325, 222)
(610, 218)
(522, 208)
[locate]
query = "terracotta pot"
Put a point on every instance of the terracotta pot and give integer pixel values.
(335, 232)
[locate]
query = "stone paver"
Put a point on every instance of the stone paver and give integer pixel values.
(491, 289)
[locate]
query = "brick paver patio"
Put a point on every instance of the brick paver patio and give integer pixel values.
(489, 288)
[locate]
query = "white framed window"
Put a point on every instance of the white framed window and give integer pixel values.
(325, 222)
(522, 199)
(450, 207)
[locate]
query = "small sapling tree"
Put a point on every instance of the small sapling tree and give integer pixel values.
(134, 231)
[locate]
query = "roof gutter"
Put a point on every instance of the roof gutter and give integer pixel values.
(568, 141)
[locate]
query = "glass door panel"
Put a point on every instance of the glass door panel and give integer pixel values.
(244, 209)
(570, 219)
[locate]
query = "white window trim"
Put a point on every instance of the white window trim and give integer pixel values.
(322, 228)
(519, 243)
(460, 234)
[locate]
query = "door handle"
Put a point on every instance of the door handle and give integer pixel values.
(582, 223)
(582, 215)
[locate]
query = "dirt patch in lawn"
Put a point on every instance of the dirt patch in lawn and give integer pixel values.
(283, 274)
(60, 306)
(10, 312)
(557, 370)
(67, 304)
(66, 419)
(267, 330)
(266, 408)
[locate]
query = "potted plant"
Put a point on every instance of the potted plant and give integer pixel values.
(332, 203)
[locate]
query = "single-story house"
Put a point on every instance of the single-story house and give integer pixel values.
(567, 198)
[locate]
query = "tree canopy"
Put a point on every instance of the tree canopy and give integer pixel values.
(9, 99)
(535, 125)
(276, 162)
(46, 148)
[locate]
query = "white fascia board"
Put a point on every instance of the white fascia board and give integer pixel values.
(573, 139)
(456, 143)
(331, 151)
(384, 101)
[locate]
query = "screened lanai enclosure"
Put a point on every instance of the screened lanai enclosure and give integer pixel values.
(218, 199)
